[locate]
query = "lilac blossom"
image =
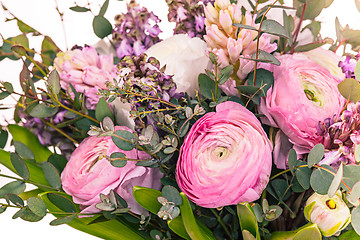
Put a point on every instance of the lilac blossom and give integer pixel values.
(135, 31)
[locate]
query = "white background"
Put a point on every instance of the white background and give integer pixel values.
(41, 15)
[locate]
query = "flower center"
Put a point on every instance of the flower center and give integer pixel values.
(313, 94)
(331, 204)
(221, 152)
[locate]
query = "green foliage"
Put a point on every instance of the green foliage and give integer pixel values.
(23, 150)
(102, 27)
(315, 155)
(37, 206)
(355, 219)
(124, 140)
(247, 220)
(147, 198)
(58, 161)
(79, 9)
(15, 187)
(42, 110)
(321, 179)
(274, 28)
(303, 176)
(54, 82)
(63, 220)
(20, 166)
(103, 110)
(208, 87)
(171, 194)
(334, 186)
(51, 174)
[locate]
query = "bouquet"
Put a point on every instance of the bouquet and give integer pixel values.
(238, 126)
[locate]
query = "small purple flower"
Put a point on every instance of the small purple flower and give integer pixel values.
(348, 65)
(135, 31)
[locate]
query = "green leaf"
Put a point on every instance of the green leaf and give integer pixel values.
(15, 187)
(350, 234)
(9, 87)
(79, 9)
(42, 111)
(23, 150)
(351, 175)
(292, 160)
(177, 226)
(48, 51)
(309, 46)
(303, 176)
(274, 28)
(19, 50)
(334, 186)
(54, 82)
(104, 7)
(264, 80)
(147, 198)
(351, 37)
(355, 219)
(313, 9)
(102, 27)
(23, 135)
(59, 161)
(51, 174)
(63, 220)
(315, 155)
(124, 140)
(207, 86)
(171, 194)
(310, 232)
(27, 215)
(247, 219)
(3, 95)
(15, 199)
(225, 73)
(103, 110)
(112, 229)
(118, 163)
(183, 129)
(245, 26)
(24, 27)
(321, 179)
(61, 202)
(314, 27)
(3, 137)
(191, 226)
(357, 70)
(265, 56)
(20, 166)
(355, 194)
(28, 194)
(37, 206)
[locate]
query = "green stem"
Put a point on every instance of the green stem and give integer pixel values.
(278, 174)
(222, 223)
(59, 130)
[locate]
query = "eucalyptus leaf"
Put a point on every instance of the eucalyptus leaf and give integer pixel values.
(350, 89)
(61, 202)
(52, 175)
(4, 95)
(267, 57)
(274, 28)
(27, 215)
(103, 110)
(20, 166)
(316, 154)
(79, 9)
(124, 140)
(9, 87)
(37, 206)
(43, 111)
(355, 219)
(102, 27)
(309, 46)
(334, 186)
(118, 163)
(63, 220)
(225, 73)
(15, 199)
(321, 179)
(355, 194)
(264, 80)
(23, 150)
(303, 176)
(15, 187)
(292, 160)
(171, 194)
(208, 87)
(54, 82)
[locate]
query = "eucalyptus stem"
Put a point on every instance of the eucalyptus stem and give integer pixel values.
(59, 130)
(222, 223)
(29, 181)
(279, 174)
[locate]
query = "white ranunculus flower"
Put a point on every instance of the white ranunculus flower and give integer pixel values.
(184, 58)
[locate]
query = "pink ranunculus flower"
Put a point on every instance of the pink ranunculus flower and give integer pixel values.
(225, 158)
(86, 71)
(304, 93)
(87, 174)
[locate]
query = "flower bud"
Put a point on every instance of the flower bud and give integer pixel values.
(211, 13)
(234, 49)
(226, 21)
(330, 214)
(222, 4)
(217, 35)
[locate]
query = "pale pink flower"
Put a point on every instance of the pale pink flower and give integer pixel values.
(225, 158)
(87, 174)
(86, 71)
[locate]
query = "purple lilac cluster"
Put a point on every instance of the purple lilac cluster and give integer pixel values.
(135, 31)
(348, 65)
(189, 16)
(341, 136)
(146, 85)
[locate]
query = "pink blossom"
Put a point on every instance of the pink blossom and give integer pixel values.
(87, 174)
(86, 71)
(225, 158)
(304, 93)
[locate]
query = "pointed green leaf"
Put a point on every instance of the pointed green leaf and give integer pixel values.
(267, 57)
(334, 186)
(63, 220)
(191, 226)
(79, 9)
(247, 219)
(207, 86)
(15, 199)
(23, 135)
(147, 198)
(273, 27)
(292, 160)
(43, 111)
(104, 8)
(102, 27)
(303, 176)
(54, 82)
(177, 226)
